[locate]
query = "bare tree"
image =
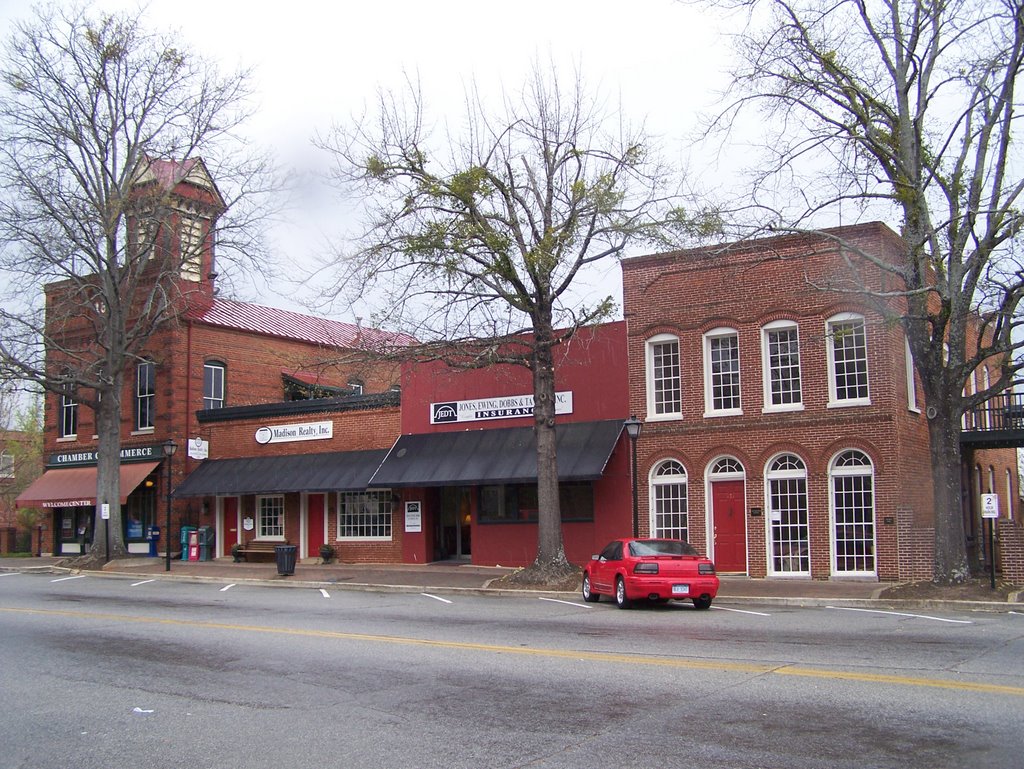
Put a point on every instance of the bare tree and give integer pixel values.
(99, 119)
(476, 243)
(903, 109)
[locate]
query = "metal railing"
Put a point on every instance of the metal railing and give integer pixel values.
(1003, 412)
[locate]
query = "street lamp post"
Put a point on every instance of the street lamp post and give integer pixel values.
(169, 448)
(633, 426)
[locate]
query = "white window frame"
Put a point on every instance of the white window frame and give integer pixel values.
(766, 366)
(660, 339)
(208, 397)
(68, 415)
(772, 477)
(382, 498)
(149, 398)
(1009, 494)
(836, 472)
(262, 502)
(833, 395)
(659, 481)
(6, 464)
(911, 379)
(710, 410)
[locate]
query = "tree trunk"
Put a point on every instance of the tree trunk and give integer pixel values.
(108, 470)
(950, 562)
(550, 550)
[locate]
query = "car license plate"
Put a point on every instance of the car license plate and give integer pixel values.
(680, 590)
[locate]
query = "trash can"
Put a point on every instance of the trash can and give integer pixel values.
(206, 538)
(285, 559)
(185, 531)
(153, 535)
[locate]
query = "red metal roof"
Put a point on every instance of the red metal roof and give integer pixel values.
(271, 321)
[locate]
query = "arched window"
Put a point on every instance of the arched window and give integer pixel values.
(786, 476)
(852, 480)
(68, 417)
(668, 500)
(727, 466)
(145, 395)
(214, 375)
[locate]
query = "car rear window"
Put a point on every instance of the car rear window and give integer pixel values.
(648, 547)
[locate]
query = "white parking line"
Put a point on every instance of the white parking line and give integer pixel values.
(65, 579)
(436, 597)
(8, 574)
(742, 611)
(324, 593)
(226, 588)
(567, 603)
(903, 614)
(144, 582)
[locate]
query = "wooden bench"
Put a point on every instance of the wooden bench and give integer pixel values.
(259, 548)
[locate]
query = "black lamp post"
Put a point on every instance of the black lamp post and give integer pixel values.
(169, 448)
(633, 426)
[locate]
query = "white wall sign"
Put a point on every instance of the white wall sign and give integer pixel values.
(503, 407)
(248, 523)
(989, 505)
(198, 448)
(413, 517)
(307, 431)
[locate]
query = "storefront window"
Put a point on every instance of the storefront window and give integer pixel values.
(518, 502)
(365, 515)
(140, 512)
(270, 517)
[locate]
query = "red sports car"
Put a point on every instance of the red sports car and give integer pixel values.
(656, 569)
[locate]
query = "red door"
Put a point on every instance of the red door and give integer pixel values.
(229, 525)
(314, 524)
(730, 526)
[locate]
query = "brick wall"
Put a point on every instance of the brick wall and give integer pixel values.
(686, 294)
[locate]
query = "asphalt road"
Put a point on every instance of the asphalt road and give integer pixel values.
(109, 672)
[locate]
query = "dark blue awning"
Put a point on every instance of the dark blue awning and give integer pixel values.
(334, 471)
(509, 455)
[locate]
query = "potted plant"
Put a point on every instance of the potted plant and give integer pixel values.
(326, 553)
(236, 552)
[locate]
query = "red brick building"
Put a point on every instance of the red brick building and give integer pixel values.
(220, 353)
(783, 431)
(783, 427)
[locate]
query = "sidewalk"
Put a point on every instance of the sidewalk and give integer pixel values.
(451, 577)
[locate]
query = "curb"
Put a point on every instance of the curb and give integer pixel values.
(876, 602)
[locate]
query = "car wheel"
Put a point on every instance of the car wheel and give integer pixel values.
(620, 594)
(701, 603)
(588, 595)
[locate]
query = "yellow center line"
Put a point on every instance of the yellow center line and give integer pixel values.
(625, 659)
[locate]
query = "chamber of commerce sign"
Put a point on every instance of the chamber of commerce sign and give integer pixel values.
(308, 431)
(503, 407)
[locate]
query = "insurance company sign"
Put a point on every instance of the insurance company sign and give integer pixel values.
(503, 407)
(307, 431)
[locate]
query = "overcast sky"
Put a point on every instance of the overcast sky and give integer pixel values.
(320, 62)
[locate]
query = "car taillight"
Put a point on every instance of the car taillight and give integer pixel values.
(645, 568)
(705, 568)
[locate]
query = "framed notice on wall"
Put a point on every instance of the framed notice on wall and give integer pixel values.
(413, 517)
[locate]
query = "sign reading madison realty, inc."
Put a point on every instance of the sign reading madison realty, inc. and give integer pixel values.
(503, 407)
(308, 431)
